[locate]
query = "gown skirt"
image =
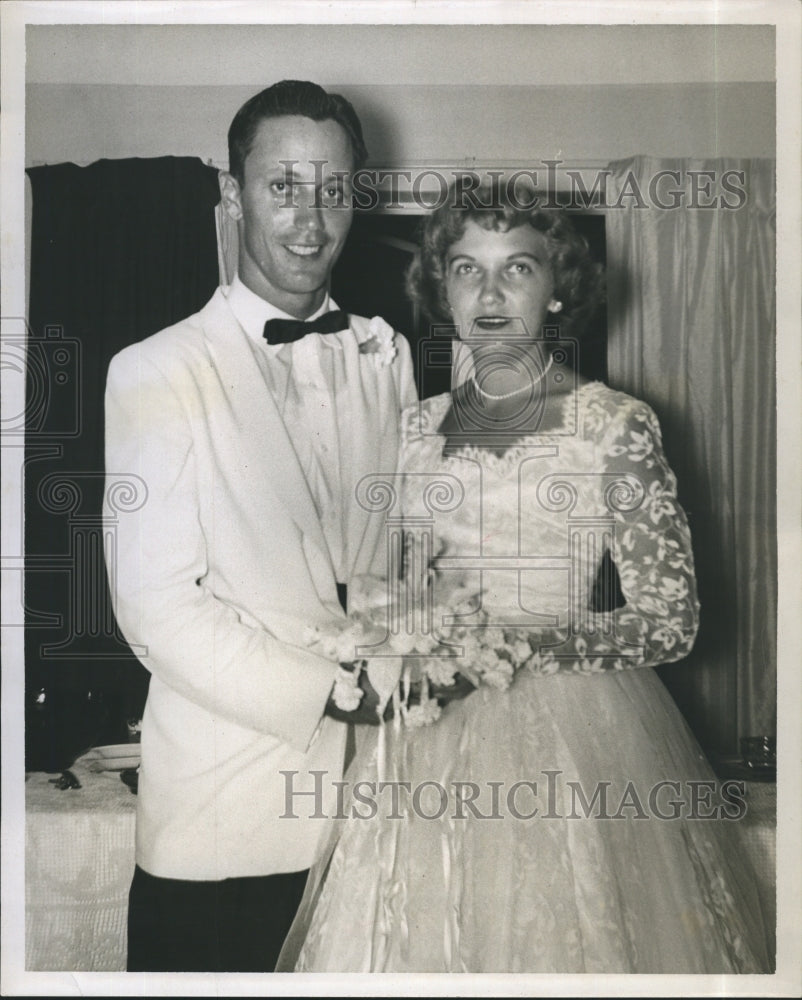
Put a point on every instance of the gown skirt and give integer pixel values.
(596, 839)
(570, 823)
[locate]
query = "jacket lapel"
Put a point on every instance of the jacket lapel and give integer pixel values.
(265, 446)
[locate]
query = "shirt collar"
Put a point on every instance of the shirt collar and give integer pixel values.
(252, 311)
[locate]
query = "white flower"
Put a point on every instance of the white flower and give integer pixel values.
(499, 679)
(521, 651)
(424, 714)
(347, 642)
(441, 670)
(488, 658)
(468, 640)
(347, 693)
(543, 662)
(493, 636)
(495, 671)
(380, 343)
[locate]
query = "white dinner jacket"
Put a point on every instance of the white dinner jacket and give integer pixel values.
(216, 574)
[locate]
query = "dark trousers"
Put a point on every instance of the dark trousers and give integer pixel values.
(235, 925)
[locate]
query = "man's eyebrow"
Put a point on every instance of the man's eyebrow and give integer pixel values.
(288, 177)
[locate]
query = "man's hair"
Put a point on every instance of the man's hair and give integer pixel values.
(578, 279)
(291, 97)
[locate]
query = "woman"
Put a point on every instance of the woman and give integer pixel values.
(565, 824)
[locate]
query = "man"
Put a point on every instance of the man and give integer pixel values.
(250, 439)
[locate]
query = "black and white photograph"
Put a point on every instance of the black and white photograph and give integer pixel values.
(402, 498)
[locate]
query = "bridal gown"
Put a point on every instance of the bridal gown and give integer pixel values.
(588, 844)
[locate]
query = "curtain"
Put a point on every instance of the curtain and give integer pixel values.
(119, 250)
(691, 319)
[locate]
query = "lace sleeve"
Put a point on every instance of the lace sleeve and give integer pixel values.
(651, 548)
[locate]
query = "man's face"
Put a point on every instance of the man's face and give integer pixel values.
(291, 210)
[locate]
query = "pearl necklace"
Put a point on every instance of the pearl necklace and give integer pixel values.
(515, 392)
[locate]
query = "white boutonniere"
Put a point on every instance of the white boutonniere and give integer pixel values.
(380, 342)
(346, 692)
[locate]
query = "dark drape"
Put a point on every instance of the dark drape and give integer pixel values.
(120, 249)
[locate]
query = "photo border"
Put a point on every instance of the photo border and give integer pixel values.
(786, 16)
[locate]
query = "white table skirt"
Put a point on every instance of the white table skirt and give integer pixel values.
(79, 853)
(79, 861)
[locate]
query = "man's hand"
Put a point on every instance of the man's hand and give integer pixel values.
(459, 689)
(367, 712)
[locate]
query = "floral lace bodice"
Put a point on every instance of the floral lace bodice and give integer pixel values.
(529, 527)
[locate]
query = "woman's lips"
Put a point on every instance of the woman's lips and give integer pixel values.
(492, 322)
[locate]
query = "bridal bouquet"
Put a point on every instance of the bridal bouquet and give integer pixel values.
(409, 665)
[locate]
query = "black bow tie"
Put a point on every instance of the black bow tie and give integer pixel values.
(285, 331)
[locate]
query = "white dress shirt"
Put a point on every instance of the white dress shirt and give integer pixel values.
(305, 378)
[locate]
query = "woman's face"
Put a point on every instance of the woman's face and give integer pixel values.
(499, 284)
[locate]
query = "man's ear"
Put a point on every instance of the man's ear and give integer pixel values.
(230, 194)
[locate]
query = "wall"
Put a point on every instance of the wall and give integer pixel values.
(413, 123)
(445, 93)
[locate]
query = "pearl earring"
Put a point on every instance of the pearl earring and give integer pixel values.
(554, 306)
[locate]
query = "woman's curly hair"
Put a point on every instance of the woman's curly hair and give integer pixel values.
(578, 279)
